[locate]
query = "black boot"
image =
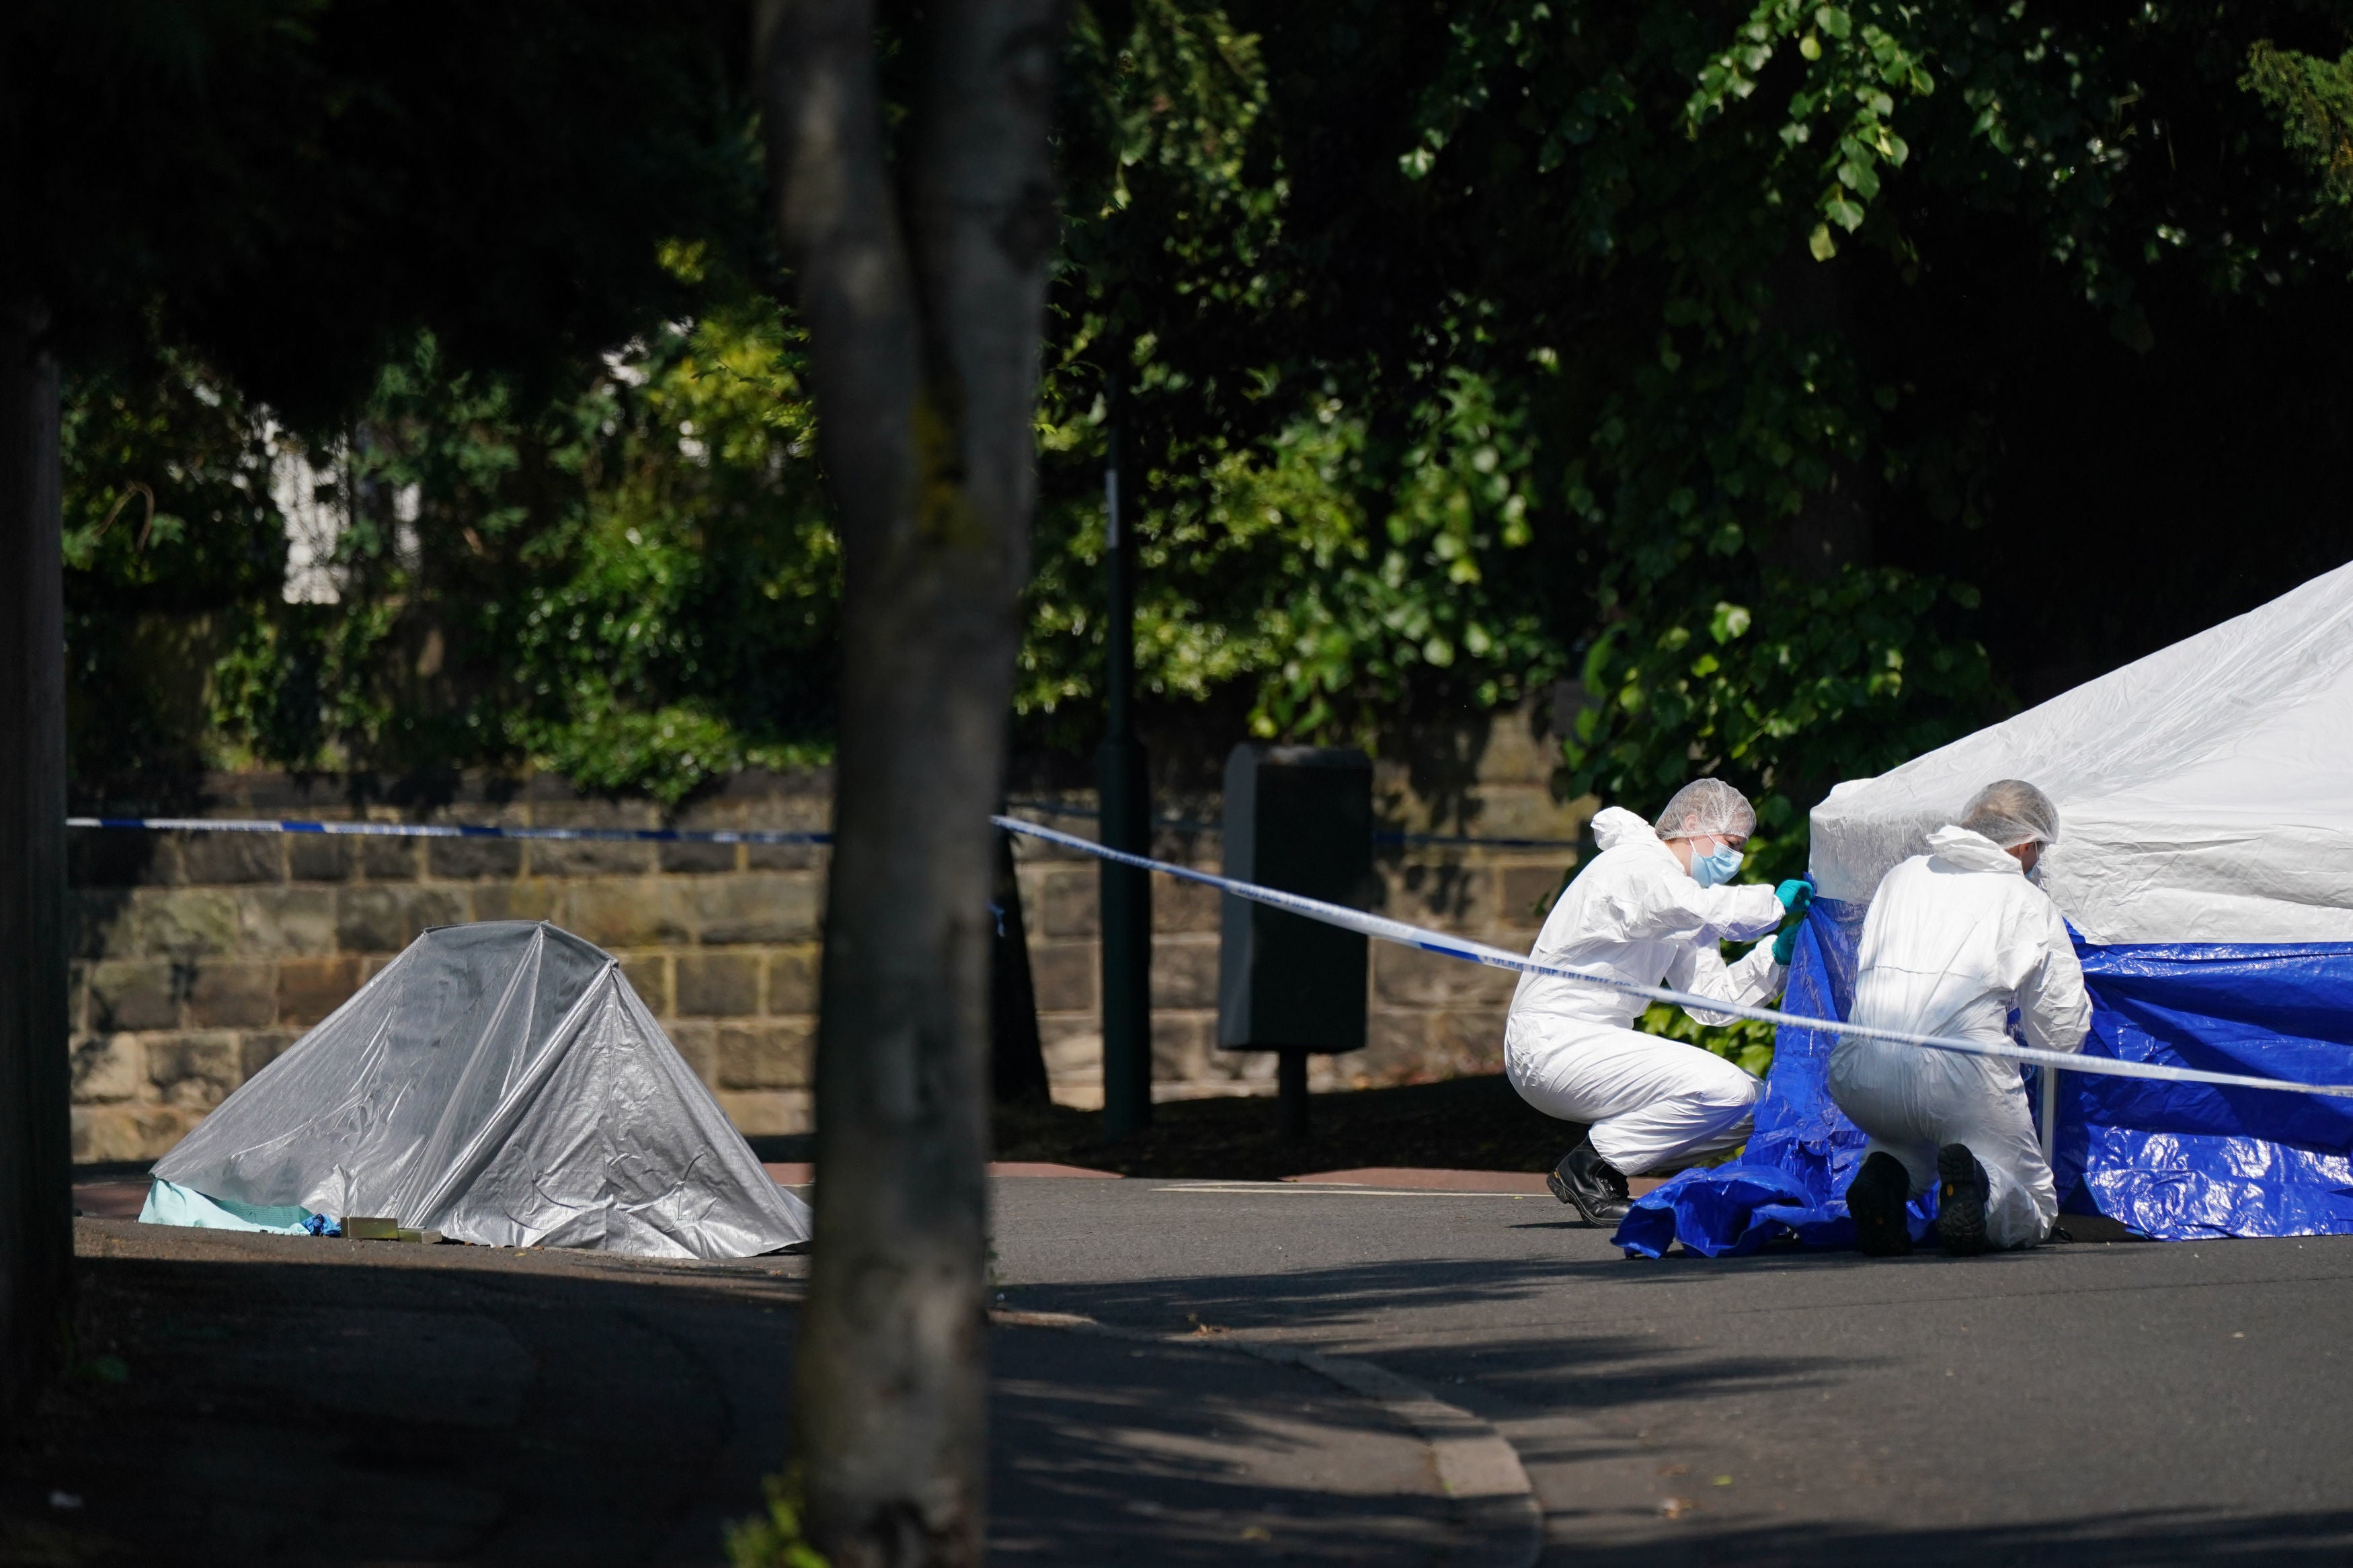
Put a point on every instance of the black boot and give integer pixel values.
(1592, 1184)
(1961, 1193)
(1876, 1198)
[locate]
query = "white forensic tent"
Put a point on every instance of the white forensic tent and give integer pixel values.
(500, 1083)
(2205, 793)
(2205, 858)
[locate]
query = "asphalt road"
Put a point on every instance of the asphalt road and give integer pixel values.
(284, 1399)
(2092, 1403)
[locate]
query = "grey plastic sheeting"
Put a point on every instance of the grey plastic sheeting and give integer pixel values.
(500, 1083)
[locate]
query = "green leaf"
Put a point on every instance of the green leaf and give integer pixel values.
(1860, 178)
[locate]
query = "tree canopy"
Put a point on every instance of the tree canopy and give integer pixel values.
(1859, 373)
(1811, 384)
(293, 188)
(262, 228)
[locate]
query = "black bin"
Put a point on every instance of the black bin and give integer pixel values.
(1299, 818)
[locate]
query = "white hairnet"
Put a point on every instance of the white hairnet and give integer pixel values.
(2013, 812)
(1706, 807)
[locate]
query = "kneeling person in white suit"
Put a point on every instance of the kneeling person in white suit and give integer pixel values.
(1651, 908)
(1956, 939)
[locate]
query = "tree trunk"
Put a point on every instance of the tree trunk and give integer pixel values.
(35, 1202)
(923, 288)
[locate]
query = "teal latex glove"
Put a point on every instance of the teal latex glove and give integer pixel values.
(1796, 896)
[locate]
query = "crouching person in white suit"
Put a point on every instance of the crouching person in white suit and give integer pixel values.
(1956, 939)
(1650, 909)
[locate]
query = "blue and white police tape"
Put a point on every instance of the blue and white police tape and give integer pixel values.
(681, 835)
(1380, 835)
(1498, 958)
(450, 830)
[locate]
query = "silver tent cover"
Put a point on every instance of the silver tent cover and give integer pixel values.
(500, 1083)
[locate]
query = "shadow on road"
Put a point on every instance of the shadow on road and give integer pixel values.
(256, 1399)
(1107, 1452)
(2119, 1540)
(244, 1399)
(1611, 1359)
(241, 1407)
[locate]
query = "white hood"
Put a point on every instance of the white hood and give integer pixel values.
(1966, 851)
(1614, 826)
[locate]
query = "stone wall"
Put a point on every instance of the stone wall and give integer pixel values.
(200, 956)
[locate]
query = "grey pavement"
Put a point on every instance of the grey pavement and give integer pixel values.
(2087, 1403)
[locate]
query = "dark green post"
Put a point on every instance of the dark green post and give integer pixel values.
(35, 1172)
(1125, 824)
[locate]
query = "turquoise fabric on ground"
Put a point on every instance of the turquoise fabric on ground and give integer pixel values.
(168, 1202)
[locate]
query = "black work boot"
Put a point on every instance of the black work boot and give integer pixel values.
(1876, 1198)
(1592, 1184)
(1961, 1194)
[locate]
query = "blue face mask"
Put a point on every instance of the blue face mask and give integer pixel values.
(1714, 870)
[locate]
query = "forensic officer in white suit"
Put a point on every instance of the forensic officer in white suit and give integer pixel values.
(1651, 908)
(1956, 940)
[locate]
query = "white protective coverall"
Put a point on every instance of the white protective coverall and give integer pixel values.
(1954, 939)
(1636, 913)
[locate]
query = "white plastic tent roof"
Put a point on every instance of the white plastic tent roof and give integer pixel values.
(500, 1083)
(2205, 793)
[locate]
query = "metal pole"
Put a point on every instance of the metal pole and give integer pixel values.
(1125, 824)
(1291, 1087)
(36, 1172)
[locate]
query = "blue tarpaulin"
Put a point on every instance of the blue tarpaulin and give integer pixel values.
(2168, 1160)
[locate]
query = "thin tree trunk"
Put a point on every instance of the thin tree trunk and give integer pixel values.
(35, 1202)
(923, 288)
